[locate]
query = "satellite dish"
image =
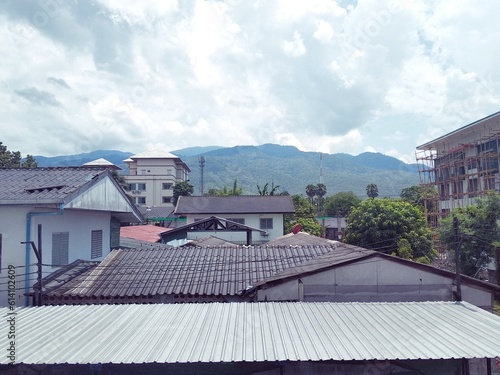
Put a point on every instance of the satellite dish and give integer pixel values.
(296, 229)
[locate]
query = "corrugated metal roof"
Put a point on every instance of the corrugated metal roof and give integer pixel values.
(146, 233)
(151, 271)
(44, 185)
(261, 204)
(251, 332)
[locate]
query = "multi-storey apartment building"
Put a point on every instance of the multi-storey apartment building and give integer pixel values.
(461, 165)
(152, 177)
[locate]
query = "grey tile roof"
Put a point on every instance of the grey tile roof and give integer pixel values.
(301, 239)
(244, 204)
(210, 241)
(160, 270)
(45, 185)
(251, 332)
(69, 276)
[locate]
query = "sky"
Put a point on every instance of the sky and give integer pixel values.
(322, 75)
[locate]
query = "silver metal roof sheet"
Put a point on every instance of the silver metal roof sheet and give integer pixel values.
(251, 332)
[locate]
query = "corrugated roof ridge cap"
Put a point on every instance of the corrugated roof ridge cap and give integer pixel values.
(85, 286)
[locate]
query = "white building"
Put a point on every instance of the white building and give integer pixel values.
(77, 210)
(152, 177)
(263, 212)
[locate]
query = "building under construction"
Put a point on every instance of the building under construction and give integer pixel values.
(458, 167)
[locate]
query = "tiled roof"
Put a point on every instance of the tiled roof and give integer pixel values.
(157, 213)
(216, 271)
(251, 332)
(210, 241)
(301, 239)
(144, 233)
(44, 185)
(244, 204)
(69, 276)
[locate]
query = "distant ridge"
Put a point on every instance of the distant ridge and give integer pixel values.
(285, 166)
(115, 157)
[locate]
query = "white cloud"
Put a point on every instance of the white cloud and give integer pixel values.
(321, 75)
(294, 47)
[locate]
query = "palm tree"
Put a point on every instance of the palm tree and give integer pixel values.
(320, 192)
(311, 191)
(372, 191)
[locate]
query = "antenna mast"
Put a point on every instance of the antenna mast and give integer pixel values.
(201, 160)
(320, 167)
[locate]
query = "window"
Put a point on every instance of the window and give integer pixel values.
(266, 223)
(96, 244)
(166, 199)
(60, 247)
(0, 252)
(140, 200)
(167, 186)
(137, 186)
(237, 220)
(169, 171)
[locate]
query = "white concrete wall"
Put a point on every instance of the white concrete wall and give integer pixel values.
(375, 279)
(78, 223)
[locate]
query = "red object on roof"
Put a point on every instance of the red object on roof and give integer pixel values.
(296, 229)
(147, 233)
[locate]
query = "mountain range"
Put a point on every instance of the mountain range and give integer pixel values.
(285, 166)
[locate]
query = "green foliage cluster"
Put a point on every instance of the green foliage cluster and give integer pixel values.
(391, 226)
(304, 215)
(340, 204)
(225, 191)
(478, 234)
(183, 188)
(12, 159)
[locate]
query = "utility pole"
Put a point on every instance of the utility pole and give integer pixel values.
(201, 160)
(458, 277)
(38, 253)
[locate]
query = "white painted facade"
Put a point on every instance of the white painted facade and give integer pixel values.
(153, 176)
(251, 220)
(91, 210)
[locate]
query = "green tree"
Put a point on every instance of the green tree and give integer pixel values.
(417, 195)
(383, 224)
(304, 215)
(309, 225)
(183, 188)
(320, 193)
(29, 162)
(341, 204)
(225, 191)
(265, 189)
(478, 233)
(311, 192)
(12, 159)
(372, 191)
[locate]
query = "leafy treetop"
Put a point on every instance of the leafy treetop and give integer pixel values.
(391, 226)
(12, 159)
